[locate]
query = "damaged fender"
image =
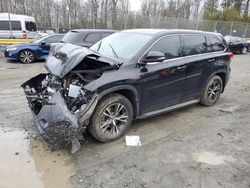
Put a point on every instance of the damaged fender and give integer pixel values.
(59, 101)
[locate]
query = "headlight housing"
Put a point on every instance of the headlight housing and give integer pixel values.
(11, 49)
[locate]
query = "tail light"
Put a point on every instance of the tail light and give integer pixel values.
(230, 56)
(24, 34)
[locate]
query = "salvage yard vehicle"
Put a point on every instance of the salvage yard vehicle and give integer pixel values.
(31, 52)
(237, 44)
(86, 37)
(22, 26)
(128, 75)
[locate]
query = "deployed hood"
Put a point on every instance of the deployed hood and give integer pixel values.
(64, 57)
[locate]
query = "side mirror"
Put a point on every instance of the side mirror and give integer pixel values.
(154, 56)
(43, 43)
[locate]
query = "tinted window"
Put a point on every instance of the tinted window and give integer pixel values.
(93, 38)
(53, 39)
(215, 44)
(30, 26)
(194, 44)
(73, 37)
(105, 34)
(15, 25)
(169, 45)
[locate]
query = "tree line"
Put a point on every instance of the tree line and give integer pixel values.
(118, 14)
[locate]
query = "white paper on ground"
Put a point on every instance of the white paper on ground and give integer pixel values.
(132, 140)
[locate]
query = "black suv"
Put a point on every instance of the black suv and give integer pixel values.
(129, 75)
(86, 37)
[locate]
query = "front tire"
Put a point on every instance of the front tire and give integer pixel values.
(212, 92)
(26, 57)
(111, 118)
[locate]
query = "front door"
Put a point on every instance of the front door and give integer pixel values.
(164, 81)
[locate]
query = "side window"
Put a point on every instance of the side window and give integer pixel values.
(169, 45)
(215, 44)
(53, 39)
(15, 25)
(194, 44)
(30, 26)
(93, 38)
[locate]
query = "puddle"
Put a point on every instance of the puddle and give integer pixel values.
(26, 165)
(212, 158)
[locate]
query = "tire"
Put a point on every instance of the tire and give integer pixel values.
(111, 118)
(26, 57)
(244, 50)
(212, 92)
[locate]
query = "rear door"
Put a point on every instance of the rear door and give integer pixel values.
(202, 54)
(164, 81)
(196, 62)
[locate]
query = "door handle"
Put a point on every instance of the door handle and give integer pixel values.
(211, 60)
(181, 68)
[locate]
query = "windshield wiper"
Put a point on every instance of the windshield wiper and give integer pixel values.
(99, 45)
(113, 50)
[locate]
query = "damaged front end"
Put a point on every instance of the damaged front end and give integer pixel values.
(60, 103)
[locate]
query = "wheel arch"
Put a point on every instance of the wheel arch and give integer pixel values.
(127, 91)
(222, 74)
(28, 50)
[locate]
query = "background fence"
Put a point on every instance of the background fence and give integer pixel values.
(240, 29)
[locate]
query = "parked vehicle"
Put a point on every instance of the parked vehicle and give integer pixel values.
(128, 75)
(248, 45)
(31, 52)
(86, 37)
(237, 44)
(22, 26)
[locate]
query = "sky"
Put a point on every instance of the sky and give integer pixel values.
(135, 5)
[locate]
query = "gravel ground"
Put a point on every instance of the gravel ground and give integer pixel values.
(193, 147)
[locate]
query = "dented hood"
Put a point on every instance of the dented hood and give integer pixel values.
(64, 57)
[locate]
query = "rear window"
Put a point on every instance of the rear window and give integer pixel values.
(105, 34)
(194, 44)
(215, 44)
(15, 25)
(30, 26)
(73, 37)
(93, 38)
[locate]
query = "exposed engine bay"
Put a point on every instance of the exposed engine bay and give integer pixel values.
(60, 103)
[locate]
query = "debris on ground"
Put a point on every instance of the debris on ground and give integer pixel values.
(133, 141)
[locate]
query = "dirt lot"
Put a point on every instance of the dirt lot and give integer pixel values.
(192, 147)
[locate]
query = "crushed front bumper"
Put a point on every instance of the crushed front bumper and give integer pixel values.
(55, 122)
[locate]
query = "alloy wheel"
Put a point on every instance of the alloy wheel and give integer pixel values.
(214, 91)
(26, 56)
(114, 118)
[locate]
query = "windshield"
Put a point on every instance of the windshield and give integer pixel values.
(72, 37)
(123, 45)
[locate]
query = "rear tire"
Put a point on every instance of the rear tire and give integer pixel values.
(26, 57)
(212, 92)
(111, 118)
(244, 50)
